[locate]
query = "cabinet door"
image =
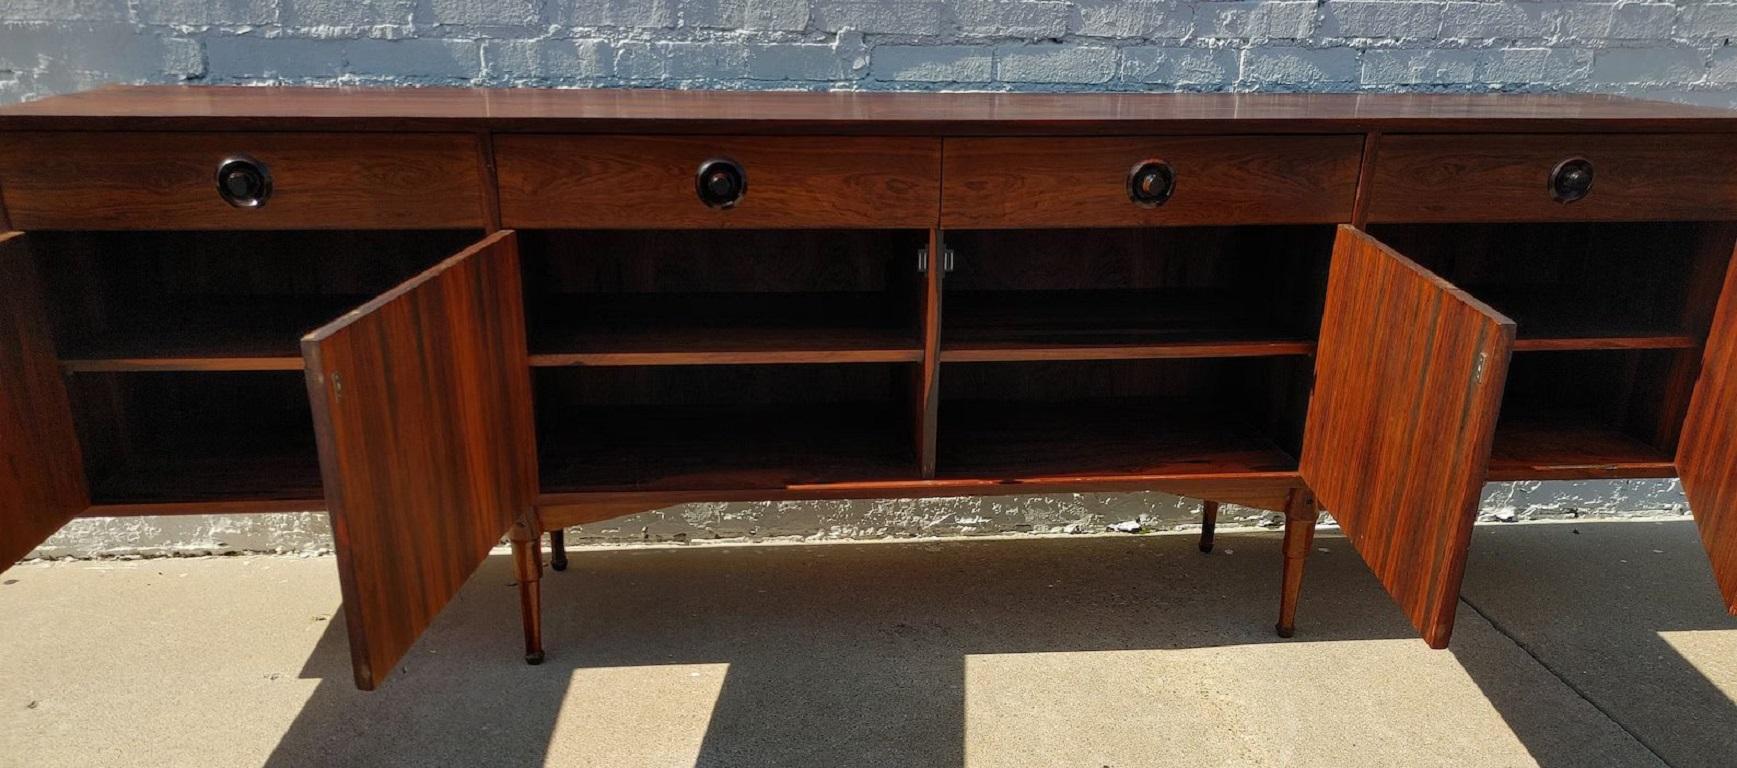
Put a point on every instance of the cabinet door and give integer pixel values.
(1408, 381)
(1707, 450)
(41, 471)
(422, 409)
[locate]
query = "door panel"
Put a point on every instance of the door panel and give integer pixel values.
(41, 470)
(1707, 450)
(422, 410)
(1408, 381)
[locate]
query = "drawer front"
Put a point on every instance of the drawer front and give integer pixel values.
(1512, 178)
(997, 183)
(626, 182)
(169, 181)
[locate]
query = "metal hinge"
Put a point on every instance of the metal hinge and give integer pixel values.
(1478, 368)
(923, 260)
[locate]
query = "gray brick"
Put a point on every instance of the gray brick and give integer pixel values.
(1055, 64)
(1723, 69)
(1535, 65)
(1251, 19)
(554, 59)
(202, 12)
(1381, 18)
(1643, 21)
(1708, 20)
(1527, 20)
(347, 13)
(617, 13)
(64, 10)
(1420, 67)
(789, 15)
(1648, 65)
(486, 13)
(636, 60)
(690, 61)
(1021, 18)
(1299, 66)
(421, 58)
(103, 50)
(1135, 18)
(263, 57)
(903, 17)
(933, 63)
(1179, 66)
(803, 61)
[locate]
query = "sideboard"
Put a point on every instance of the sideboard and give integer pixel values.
(522, 310)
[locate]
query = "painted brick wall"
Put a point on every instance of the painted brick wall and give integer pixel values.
(1677, 50)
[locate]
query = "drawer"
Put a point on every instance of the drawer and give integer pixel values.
(1510, 178)
(629, 182)
(169, 181)
(1085, 182)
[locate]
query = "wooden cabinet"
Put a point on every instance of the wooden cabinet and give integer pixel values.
(516, 314)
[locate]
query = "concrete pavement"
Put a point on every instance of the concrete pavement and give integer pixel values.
(1577, 645)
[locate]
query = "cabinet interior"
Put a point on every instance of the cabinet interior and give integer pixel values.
(182, 355)
(684, 297)
(1609, 319)
(723, 427)
(1131, 293)
(1121, 418)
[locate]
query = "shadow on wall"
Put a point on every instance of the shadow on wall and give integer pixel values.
(852, 655)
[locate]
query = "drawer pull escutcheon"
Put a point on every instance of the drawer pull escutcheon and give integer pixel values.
(243, 181)
(721, 183)
(1151, 183)
(1571, 180)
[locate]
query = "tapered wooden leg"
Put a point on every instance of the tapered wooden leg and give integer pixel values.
(528, 563)
(1300, 518)
(558, 549)
(1208, 524)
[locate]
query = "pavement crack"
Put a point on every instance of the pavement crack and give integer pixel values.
(1554, 672)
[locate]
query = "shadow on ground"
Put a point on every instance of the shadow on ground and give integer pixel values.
(859, 654)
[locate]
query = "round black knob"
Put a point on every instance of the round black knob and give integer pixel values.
(721, 183)
(1151, 183)
(243, 182)
(1571, 180)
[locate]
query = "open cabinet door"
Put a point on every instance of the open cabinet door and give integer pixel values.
(1707, 450)
(41, 471)
(1408, 381)
(422, 410)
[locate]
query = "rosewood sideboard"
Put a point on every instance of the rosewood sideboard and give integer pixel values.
(521, 310)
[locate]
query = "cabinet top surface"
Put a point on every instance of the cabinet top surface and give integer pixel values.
(665, 111)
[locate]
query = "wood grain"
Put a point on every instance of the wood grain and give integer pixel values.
(615, 182)
(42, 482)
(1505, 178)
(626, 110)
(1083, 182)
(1706, 460)
(421, 404)
(168, 181)
(1408, 380)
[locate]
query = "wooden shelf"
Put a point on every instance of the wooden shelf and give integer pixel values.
(714, 329)
(215, 481)
(207, 334)
(989, 326)
(643, 448)
(1559, 319)
(1569, 444)
(1100, 439)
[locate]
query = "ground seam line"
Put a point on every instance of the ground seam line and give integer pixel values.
(1565, 681)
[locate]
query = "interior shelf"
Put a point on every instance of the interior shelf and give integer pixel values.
(1571, 444)
(1556, 318)
(207, 333)
(702, 329)
(987, 326)
(723, 427)
(1112, 438)
(1587, 415)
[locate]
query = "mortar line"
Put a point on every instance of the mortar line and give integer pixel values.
(1565, 680)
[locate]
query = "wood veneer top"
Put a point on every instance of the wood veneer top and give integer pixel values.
(655, 111)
